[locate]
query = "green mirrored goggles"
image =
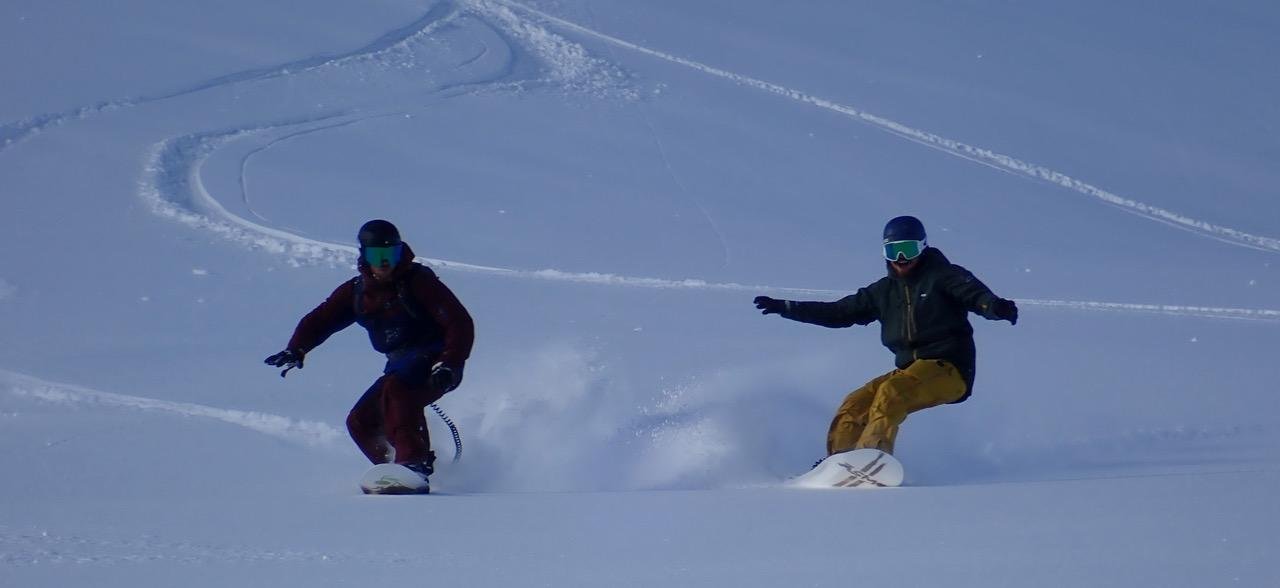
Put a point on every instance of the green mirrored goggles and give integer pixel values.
(380, 256)
(903, 250)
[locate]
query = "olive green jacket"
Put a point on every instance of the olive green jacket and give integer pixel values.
(924, 315)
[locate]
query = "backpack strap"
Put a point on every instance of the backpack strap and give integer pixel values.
(359, 293)
(404, 291)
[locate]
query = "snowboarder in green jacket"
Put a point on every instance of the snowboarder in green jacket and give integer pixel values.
(923, 306)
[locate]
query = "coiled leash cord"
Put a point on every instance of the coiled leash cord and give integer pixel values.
(457, 437)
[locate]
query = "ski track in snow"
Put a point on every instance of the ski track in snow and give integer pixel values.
(973, 153)
(38, 547)
(309, 433)
(171, 186)
(171, 183)
(440, 14)
(573, 66)
(244, 161)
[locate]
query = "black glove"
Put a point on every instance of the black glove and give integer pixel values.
(445, 378)
(770, 305)
(1005, 310)
(287, 359)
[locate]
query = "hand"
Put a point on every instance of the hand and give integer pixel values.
(1005, 310)
(445, 378)
(287, 359)
(770, 305)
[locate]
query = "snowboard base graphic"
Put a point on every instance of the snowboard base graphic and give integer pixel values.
(391, 478)
(860, 468)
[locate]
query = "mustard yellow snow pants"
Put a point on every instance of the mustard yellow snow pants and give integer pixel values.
(870, 415)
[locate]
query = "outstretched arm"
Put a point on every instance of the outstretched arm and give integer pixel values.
(856, 309)
(977, 297)
(336, 313)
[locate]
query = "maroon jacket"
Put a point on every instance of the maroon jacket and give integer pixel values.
(415, 311)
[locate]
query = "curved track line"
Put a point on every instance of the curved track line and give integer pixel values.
(172, 185)
(726, 254)
(244, 161)
(437, 17)
(960, 149)
(306, 432)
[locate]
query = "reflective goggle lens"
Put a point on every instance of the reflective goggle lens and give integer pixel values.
(903, 250)
(379, 256)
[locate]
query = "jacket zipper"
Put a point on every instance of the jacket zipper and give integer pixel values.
(910, 324)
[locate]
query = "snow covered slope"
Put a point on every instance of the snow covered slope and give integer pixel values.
(606, 185)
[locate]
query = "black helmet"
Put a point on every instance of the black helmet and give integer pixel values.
(378, 233)
(904, 228)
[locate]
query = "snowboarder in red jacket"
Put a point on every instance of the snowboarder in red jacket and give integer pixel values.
(414, 319)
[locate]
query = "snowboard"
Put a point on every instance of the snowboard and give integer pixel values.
(391, 478)
(860, 468)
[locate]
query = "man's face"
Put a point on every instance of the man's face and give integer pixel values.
(382, 272)
(904, 255)
(382, 260)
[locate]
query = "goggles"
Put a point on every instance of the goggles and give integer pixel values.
(380, 256)
(903, 250)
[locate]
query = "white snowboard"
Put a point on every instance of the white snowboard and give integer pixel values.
(390, 478)
(860, 468)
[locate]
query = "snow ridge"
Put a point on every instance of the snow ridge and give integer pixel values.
(571, 65)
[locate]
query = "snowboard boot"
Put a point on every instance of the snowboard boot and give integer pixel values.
(425, 467)
(421, 467)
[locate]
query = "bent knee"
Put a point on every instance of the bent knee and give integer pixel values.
(356, 424)
(890, 397)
